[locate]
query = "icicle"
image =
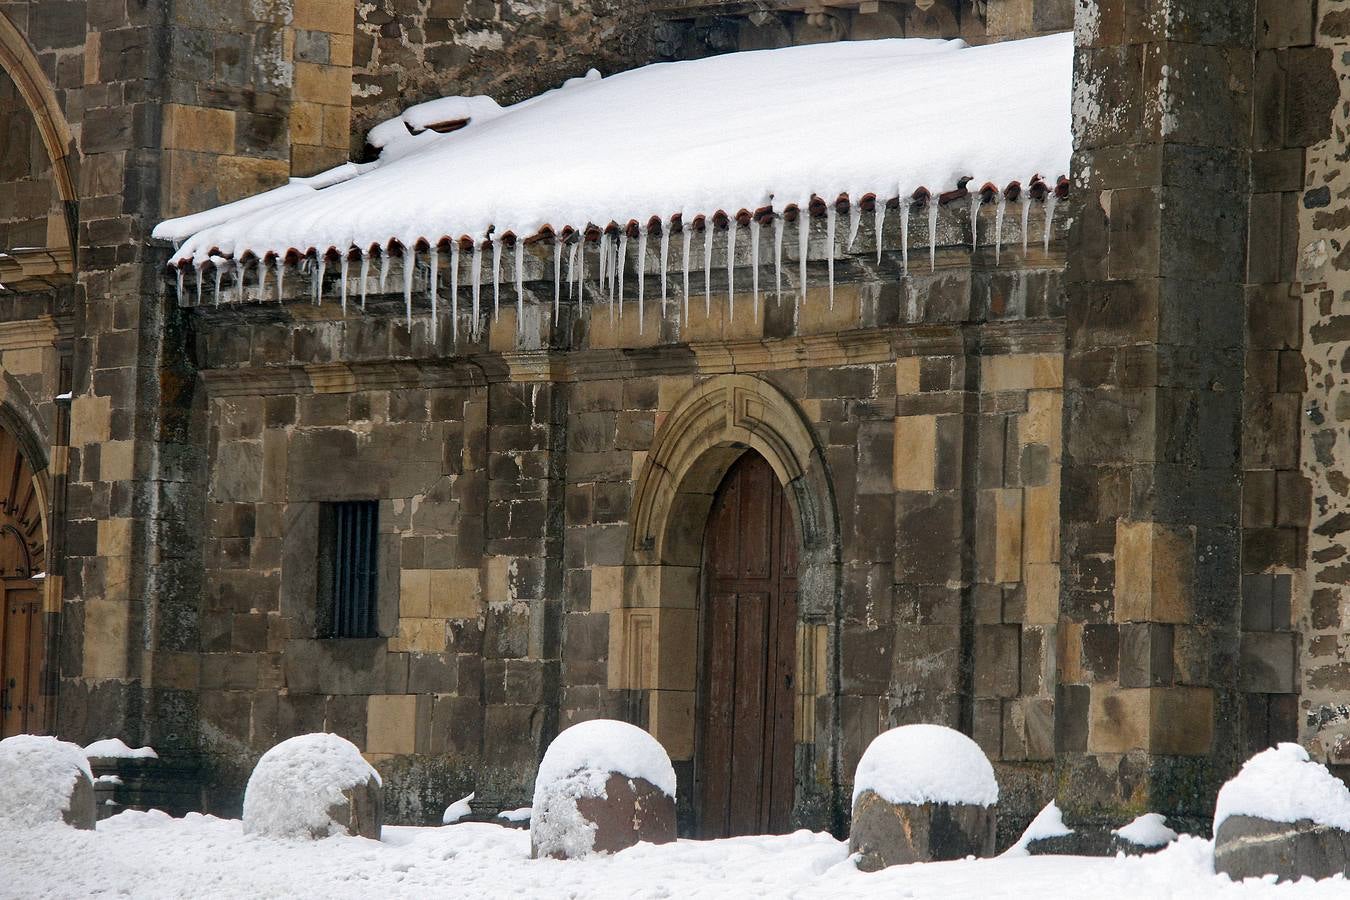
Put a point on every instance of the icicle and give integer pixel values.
(477, 281)
(318, 278)
(932, 233)
(974, 222)
(281, 277)
(219, 272)
(262, 278)
(687, 233)
(1025, 200)
(880, 224)
(707, 265)
(454, 291)
(906, 209)
(344, 267)
(581, 274)
(365, 276)
(384, 267)
(409, 267)
(998, 228)
(830, 216)
(520, 286)
(754, 264)
(200, 271)
(854, 220)
(621, 264)
(572, 267)
(557, 277)
(665, 256)
(777, 256)
(496, 279)
(641, 272)
(803, 243)
(1050, 202)
(433, 265)
(604, 270)
(731, 268)
(179, 276)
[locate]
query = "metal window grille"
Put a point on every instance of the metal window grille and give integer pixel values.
(352, 530)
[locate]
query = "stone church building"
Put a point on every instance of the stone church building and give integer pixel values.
(1084, 497)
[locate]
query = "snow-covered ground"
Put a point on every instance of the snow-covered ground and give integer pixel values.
(147, 855)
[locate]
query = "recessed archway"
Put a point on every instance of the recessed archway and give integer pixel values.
(654, 637)
(19, 61)
(27, 610)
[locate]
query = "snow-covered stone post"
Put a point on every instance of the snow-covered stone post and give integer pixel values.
(1282, 815)
(312, 786)
(45, 780)
(922, 793)
(602, 786)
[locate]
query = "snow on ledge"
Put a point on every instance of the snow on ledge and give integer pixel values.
(1049, 823)
(926, 764)
(738, 132)
(1283, 784)
(1148, 830)
(114, 748)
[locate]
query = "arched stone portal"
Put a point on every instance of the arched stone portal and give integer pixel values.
(27, 617)
(654, 637)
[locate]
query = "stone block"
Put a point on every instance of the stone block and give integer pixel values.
(391, 723)
(1155, 566)
(1251, 847)
(997, 660)
(915, 451)
(629, 810)
(454, 594)
(198, 128)
(895, 834)
(1269, 662)
(1042, 593)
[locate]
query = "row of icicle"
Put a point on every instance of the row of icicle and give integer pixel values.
(612, 257)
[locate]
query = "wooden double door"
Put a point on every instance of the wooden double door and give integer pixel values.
(744, 757)
(22, 640)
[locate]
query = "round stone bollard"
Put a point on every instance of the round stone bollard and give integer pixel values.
(922, 793)
(312, 786)
(43, 779)
(602, 786)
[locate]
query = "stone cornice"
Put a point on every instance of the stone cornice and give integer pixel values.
(852, 348)
(35, 268)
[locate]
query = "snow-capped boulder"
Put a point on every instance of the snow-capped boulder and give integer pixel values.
(42, 780)
(312, 786)
(922, 793)
(1282, 815)
(602, 786)
(1146, 834)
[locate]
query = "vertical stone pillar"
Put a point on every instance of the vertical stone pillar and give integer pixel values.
(1147, 704)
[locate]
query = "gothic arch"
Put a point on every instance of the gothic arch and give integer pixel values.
(20, 63)
(653, 649)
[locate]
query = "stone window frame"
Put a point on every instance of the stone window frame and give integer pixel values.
(330, 551)
(654, 634)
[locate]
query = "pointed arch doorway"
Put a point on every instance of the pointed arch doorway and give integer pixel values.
(745, 741)
(23, 624)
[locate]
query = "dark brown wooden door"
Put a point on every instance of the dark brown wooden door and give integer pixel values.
(749, 640)
(21, 644)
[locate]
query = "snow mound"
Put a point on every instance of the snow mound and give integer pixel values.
(1148, 830)
(516, 815)
(926, 764)
(114, 748)
(294, 785)
(1283, 784)
(458, 810)
(36, 777)
(1049, 823)
(577, 764)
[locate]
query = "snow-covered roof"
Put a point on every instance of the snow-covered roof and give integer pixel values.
(731, 134)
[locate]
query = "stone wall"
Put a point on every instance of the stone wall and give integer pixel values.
(31, 214)
(509, 472)
(1313, 115)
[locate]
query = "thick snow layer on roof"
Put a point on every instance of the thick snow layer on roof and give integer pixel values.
(1283, 784)
(926, 764)
(37, 774)
(294, 785)
(739, 131)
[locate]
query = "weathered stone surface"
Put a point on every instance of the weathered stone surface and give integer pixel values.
(1250, 847)
(896, 834)
(632, 810)
(361, 811)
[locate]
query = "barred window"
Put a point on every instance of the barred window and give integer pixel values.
(347, 569)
